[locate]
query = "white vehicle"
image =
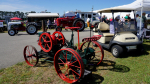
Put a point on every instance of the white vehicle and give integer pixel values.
(124, 37)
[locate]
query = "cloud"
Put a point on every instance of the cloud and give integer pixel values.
(17, 5)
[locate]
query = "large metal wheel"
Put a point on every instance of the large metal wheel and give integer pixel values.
(45, 42)
(98, 54)
(11, 32)
(31, 29)
(60, 38)
(68, 65)
(30, 55)
(79, 23)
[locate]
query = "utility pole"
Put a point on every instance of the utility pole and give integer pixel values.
(92, 14)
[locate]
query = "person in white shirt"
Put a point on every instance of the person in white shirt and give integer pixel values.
(88, 22)
(138, 21)
(122, 19)
(138, 18)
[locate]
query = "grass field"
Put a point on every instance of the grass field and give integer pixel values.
(132, 69)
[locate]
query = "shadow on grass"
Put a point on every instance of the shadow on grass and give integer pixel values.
(93, 79)
(109, 65)
(44, 64)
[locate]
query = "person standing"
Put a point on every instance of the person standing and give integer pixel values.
(88, 22)
(138, 20)
(48, 23)
(122, 19)
(144, 20)
(111, 26)
(55, 23)
(103, 19)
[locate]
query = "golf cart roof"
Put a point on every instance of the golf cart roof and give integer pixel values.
(115, 9)
(43, 15)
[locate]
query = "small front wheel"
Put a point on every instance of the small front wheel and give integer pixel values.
(11, 32)
(117, 51)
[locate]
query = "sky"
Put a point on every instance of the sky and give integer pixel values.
(59, 6)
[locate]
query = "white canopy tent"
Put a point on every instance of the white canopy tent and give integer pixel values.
(137, 5)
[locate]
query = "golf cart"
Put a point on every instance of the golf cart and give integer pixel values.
(124, 37)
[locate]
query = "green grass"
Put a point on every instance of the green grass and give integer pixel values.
(134, 69)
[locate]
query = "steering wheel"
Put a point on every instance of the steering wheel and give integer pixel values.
(99, 32)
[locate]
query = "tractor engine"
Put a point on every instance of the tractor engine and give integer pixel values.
(51, 43)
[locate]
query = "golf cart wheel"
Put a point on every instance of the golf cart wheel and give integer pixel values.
(68, 65)
(140, 49)
(45, 42)
(58, 28)
(31, 29)
(79, 23)
(11, 32)
(98, 54)
(60, 38)
(116, 51)
(30, 55)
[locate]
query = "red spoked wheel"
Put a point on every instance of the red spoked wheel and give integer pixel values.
(60, 38)
(30, 55)
(68, 65)
(45, 42)
(98, 55)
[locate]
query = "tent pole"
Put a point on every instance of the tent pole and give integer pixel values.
(101, 16)
(141, 18)
(113, 19)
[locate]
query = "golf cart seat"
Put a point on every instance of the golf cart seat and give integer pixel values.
(104, 28)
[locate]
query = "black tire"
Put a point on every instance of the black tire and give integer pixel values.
(11, 32)
(58, 28)
(16, 32)
(79, 20)
(140, 49)
(31, 29)
(117, 51)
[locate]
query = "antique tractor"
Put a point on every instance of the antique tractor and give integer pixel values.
(69, 62)
(70, 22)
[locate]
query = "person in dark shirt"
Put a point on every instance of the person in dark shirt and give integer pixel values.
(103, 19)
(129, 18)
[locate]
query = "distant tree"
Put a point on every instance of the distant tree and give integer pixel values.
(14, 14)
(32, 12)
